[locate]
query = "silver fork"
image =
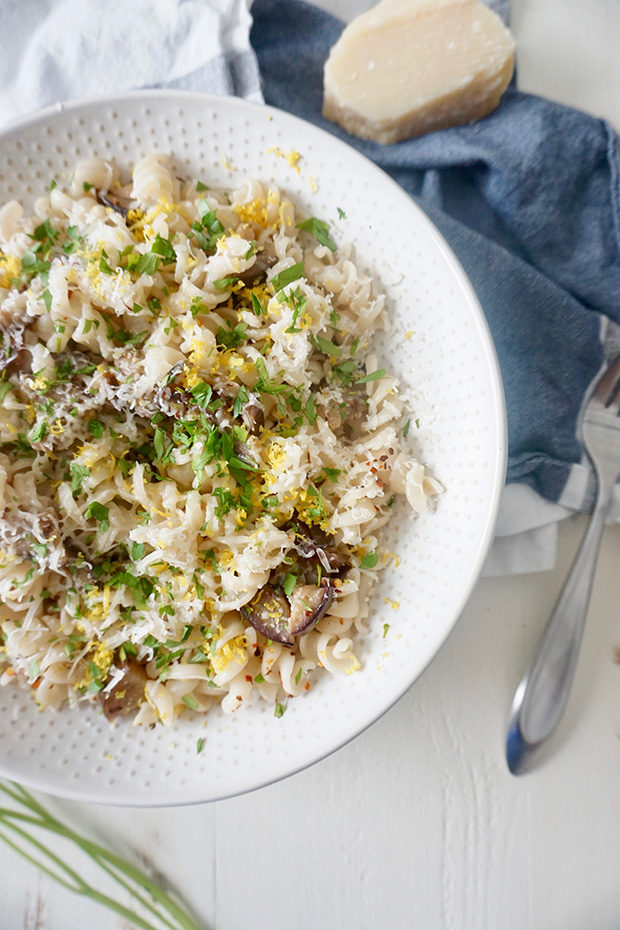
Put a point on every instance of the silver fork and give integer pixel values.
(542, 695)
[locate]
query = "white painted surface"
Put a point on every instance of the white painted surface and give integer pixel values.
(417, 823)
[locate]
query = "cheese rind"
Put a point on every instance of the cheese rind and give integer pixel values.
(408, 67)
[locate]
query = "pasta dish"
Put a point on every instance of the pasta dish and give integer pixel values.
(197, 445)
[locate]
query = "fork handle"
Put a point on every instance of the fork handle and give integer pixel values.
(544, 691)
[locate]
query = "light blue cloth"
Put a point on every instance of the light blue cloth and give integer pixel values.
(529, 199)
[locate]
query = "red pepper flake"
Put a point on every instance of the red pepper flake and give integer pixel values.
(248, 678)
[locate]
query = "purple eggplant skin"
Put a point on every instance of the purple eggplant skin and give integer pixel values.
(308, 604)
(271, 614)
(127, 694)
(312, 543)
(116, 202)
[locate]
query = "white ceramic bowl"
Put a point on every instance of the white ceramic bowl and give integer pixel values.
(440, 347)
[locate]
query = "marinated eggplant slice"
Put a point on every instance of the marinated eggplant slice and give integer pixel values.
(128, 692)
(309, 603)
(253, 418)
(311, 542)
(347, 418)
(272, 615)
(172, 397)
(117, 202)
(258, 271)
(269, 613)
(11, 343)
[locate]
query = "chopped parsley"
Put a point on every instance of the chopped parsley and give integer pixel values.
(257, 306)
(373, 376)
(209, 230)
(100, 513)
(231, 338)
(320, 230)
(289, 583)
(369, 560)
(96, 428)
(287, 276)
(326, 347)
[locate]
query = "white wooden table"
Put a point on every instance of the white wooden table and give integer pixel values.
(417, 823)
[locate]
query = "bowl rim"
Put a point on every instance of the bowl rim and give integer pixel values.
(499, 422)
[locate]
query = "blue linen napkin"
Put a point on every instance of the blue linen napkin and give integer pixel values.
(529, 199)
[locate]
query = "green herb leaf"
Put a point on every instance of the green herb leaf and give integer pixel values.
(164, 248)
(201, 187)
(341, 214)
(32, 265)
(319, 229)
(79, 473)
(386, 627)
(287, 276)
(86, 186)
(231, 338)
(39, 549)
(224, 284)
(202, 393)
(373, 376)
(289, 583)
(257, 306)
(240, 400)
(103, 264)
(100, 513)
(38, 431)
(5, 387)
(96, 428)
(137, 551)
(47, 300)
(200, 741)
(190, 701)
(326, 347)
(159, 443)
(197, 306)
(369, 560)
(406, 428)
(145, 264)
(279, 710)
(311, 409)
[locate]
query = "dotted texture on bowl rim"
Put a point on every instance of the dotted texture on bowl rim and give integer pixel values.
(438, 345)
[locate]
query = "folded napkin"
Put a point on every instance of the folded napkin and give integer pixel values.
(53, 50)
(529, 199)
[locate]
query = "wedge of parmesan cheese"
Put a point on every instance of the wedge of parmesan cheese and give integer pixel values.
(408, 67)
